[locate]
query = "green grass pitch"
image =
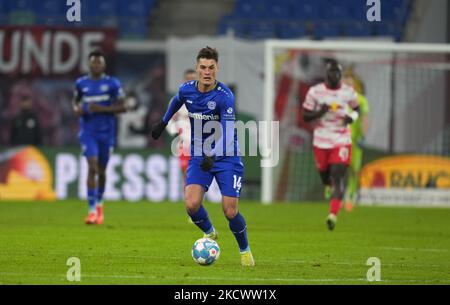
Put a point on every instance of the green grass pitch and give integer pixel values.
(150, 243)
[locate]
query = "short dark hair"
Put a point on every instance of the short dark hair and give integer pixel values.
(208, 53)
(96, 53)
(333, 64)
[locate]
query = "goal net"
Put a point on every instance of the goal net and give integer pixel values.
(407, 89)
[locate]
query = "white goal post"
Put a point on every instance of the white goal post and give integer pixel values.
(373, 47)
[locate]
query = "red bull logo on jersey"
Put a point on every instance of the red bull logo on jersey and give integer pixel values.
(407, 171)
(334, 106)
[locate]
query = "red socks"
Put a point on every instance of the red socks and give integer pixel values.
(335, 205)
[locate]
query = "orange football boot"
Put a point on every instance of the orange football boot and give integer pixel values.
(91, 219)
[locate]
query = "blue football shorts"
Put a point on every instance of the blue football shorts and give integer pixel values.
(229, 174)
(96, 145)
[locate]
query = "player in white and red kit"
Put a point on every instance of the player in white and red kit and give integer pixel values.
(181, 125)
(332, 106)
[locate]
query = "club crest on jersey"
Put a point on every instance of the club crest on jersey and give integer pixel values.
(230, 110)
(211, 105)
(104, 88)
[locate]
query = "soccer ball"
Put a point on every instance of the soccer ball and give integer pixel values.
(205, 251)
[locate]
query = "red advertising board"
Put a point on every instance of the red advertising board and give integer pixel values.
(51, 51)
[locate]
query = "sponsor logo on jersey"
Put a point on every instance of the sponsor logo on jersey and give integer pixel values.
(205, 117)
(96, 98)
(85, 89)
(335, 106)
(211, 105)
(104, 87)
(230, 110)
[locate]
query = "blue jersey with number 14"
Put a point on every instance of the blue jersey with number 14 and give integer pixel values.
(216, 106)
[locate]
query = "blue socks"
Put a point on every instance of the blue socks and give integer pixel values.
(201, 220)
(237, 226)
(239, 229)
(100, 192)
(92, 199)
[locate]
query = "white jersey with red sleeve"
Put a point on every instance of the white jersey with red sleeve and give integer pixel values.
(330, 130)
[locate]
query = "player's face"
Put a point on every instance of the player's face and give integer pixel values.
(207, 71)
(97, 64)
(334, 75)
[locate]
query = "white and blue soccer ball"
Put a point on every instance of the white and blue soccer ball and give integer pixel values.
(205, 251)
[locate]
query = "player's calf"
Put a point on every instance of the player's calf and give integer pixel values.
(337, 176)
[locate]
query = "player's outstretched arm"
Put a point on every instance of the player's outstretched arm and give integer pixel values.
(311, 115)
(158, 127)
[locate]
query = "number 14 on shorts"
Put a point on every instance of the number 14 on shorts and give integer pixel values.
(237, 182)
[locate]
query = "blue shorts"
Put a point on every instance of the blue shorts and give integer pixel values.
(228, 171)
(96, 145)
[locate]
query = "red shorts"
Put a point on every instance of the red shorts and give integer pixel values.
(338, 155)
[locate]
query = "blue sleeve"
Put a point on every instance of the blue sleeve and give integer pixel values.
(227, 122)
(78, 93)
(174, 106)
(116, 89)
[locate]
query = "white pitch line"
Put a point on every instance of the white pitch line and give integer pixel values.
(415, 249)
(149, 277)
(363, 264)
(281, 262)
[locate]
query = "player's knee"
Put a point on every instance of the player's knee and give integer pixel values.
(92, 170)
(192, 204)
(230, 211)
(101, 174)
(325, 177)
(338, 178)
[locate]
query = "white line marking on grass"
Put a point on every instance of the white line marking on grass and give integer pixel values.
(270, 262)
(415, 249)
(362, 264)
(224, 279)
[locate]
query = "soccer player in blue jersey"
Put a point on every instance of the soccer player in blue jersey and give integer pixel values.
(210, 106)
(97, 99)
